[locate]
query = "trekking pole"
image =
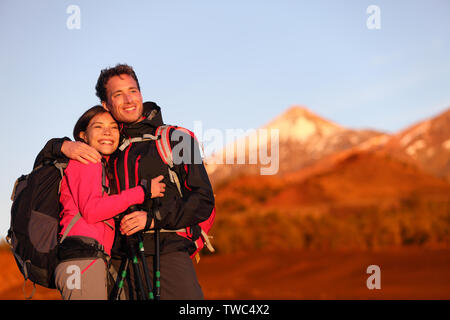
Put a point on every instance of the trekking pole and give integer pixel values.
(157, 215)
(131, 243)
(145, 266)
(157, 267)
(137, 272)
(121, 275)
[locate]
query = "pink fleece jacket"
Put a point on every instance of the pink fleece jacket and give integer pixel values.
(81, 191)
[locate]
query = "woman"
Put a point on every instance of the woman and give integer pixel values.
(88, 211)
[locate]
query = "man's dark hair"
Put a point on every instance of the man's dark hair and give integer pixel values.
(108, 73)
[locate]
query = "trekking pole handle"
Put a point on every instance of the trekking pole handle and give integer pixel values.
(155, 208)
(133, 208)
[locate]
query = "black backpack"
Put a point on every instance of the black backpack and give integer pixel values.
(33, 234)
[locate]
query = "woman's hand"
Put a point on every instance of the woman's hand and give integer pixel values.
(158, 188)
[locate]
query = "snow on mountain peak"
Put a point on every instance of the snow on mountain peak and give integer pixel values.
(298, 123)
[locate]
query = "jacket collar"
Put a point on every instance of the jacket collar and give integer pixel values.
(151, 119)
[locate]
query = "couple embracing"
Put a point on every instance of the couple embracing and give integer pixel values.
(105, 177)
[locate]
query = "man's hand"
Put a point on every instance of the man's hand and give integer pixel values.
(134, 222)
(80, 151)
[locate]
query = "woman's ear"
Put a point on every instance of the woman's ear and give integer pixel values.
(83, 136)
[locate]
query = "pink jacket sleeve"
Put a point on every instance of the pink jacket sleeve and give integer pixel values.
(85, 184)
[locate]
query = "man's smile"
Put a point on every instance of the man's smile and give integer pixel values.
(129, 108)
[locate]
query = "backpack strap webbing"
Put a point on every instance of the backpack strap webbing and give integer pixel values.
(61, 166)
(165, 152)
(163, 144)
(69, 227)
(166, 230)
(145, 137)
(162, 140)
(207, 242)
(105, 187)
(28, 297)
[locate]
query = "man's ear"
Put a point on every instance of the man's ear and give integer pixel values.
(105, 106)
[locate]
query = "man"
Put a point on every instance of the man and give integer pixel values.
(119, 91)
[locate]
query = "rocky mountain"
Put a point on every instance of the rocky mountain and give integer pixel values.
(426, 143)
(338, 187)
(303, 139)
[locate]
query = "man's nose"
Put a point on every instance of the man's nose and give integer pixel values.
(127, 98)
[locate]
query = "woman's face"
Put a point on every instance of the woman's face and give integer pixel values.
(102, 133)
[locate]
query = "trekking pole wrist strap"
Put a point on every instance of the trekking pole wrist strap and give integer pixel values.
(148, 224)
(147, 189)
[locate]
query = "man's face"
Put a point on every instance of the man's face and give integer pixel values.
(124, 100)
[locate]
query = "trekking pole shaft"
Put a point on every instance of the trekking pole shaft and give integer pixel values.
(122, 280)
(121, 275)
(145, 266)
(137, 272)
(134, 258)
(157, 267)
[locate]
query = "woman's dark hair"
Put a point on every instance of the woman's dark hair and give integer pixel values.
(84, 120)
(81, 126)
(108, 73)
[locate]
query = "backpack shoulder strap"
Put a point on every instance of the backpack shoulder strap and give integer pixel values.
(61, 166)
(70, 226)
(105, 187)
(127, 142)
(165, 152)
(163, 144)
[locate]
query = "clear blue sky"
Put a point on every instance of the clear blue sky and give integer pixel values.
(230, 64)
